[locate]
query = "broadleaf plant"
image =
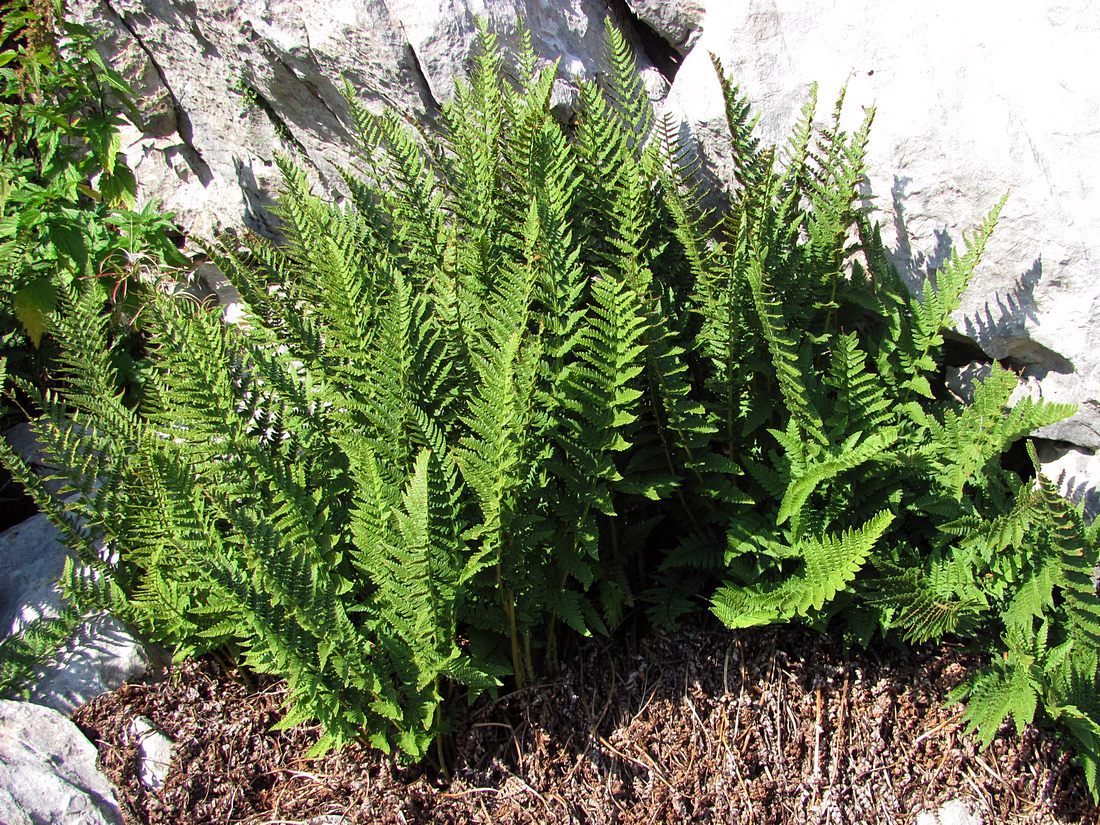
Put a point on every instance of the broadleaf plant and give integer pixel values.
(67, 197)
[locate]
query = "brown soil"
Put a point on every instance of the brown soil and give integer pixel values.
(702, 725)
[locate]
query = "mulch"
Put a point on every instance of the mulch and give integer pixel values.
(701, 725)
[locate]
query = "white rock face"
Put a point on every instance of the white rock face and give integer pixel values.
(102, 655)
(48, 771)
(973, 100)
(1076, 472)
(207, 154)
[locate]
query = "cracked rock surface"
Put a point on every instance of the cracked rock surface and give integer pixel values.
(226, 85)
(969, 106)
(48, 771)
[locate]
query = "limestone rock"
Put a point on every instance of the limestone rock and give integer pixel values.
(1075, 471)
(230, 84)
(155, 751)
(973, 101)
(102, 655)
(31, 559)
(679, 22)
(48, 770)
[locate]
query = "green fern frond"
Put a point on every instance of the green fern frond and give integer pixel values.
(830, 565)
(861, 403)
(998, 694)
(930, 313)
(848, 456)
(786, 358)
(625, 86)
(752, 165)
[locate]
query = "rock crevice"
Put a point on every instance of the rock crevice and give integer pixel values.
(183, 126)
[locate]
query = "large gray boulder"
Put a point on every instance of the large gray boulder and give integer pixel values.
(973, 100)
(48, 771)
(103, 653)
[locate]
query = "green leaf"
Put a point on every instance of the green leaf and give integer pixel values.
(70, 243)
(119, 187)
(34, 304)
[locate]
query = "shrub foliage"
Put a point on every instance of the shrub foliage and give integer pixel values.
(67, 196)
(471, 404)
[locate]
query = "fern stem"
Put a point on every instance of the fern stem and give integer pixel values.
(508, 602)
(551, 658)
(440, 755)
(527, 660)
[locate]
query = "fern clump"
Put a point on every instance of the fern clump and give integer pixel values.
(397, 481)
(464, 398)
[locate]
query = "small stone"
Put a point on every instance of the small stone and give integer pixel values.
(956, 812)
(155, 751)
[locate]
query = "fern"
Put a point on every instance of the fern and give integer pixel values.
(397, 480)
(865, 496)
(470, 408)
(830, 564)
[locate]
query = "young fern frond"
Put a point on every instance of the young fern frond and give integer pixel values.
(930, 313)
(850, 455)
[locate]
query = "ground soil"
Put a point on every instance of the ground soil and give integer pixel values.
(702, 725)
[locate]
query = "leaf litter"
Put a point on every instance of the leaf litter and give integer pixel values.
(700, 725)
